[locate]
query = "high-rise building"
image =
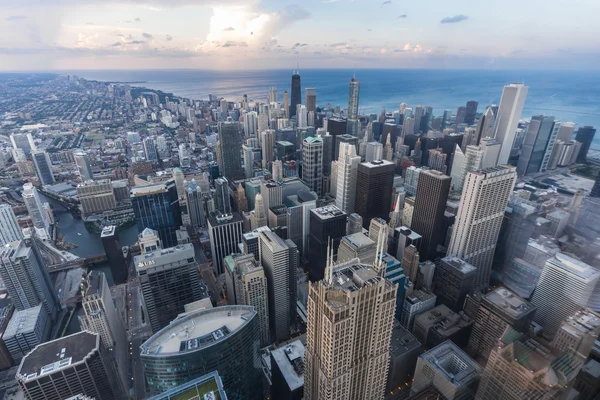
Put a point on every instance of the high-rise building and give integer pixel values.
(23, 141)
(311, 99)
(250, 123)
(566, 285)
(540, 138)
(346, 182)
(428, 215)
(195, 204)
(34, 207)
(150, 149)
(279, 259)
(286, 105)
(114, 254)
(43, 167)
(404, 237)
(471, 112)
(358, 246)
(258, 217)
(461, 113)
(26, 279)
(277, 171)
(507, 118)
(223, 202)
(179, 178)
(96, 196)
(287, 371)
(416, 303)
(248, 161)
(585, 136)
(230, 141)
(9, 227)
(208, 387)
(374, 184)
(296, 94)
(83, 165)
(577, 334)
(453, 280)
(353, 95)
(25, 330)
(349, 329)
(473, 159)
(374, 152)
(272, 95)
(225, 233)
(157, 207)
(312, 163)
(223, 339)
(169, 280)
(410, 262)
(483, 203)
(338, 140)
(102, 317)
(325, 225)
(435, 326)
(588, 380)
(449, 370)
(69, 366)
(497, 311)
(411, 180)
(354, 224)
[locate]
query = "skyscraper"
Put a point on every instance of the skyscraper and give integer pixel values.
(169, 280)
(346, 182)
(541, 134)
(481, 212)
(327, 227)
(428, 215)
(230, 147)
(9, 227)
(34, 207)
(223, 201)
(43, 167)
(258, 215)
(114, 254)
(348, 333)
(453, 280)
(353, 95)
(195, 204)
(23, 141)
(312, 163)
(585, 136)
(296, 93)
(374, 183)
(279, 259)
(248, 161)
(83, 165)
(507, 118)
(157, 207)
(286, 104)
(272, 95)
(267, 142)
(311, 99)
(150, 149)
(225, 232)
(471, 112)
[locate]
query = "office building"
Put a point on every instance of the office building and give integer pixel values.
(449, 370)
(195, 204)
(374, 184)
(114, 254)
(538, 144)
(520, 368)
(25, 330)
(354, 224)
(267, 143)
(411, 180)
(248, 152)
(473, 161)
(296, 94)
(287, 371)
(338, 140)
(23, 141)
(312, 163)
(207, 387)
(150, 149)
(497, 311)
(566, 285)
(96, 197)
(470, 112)
(279, 259)
(477, 227)
(578, 333)
(223, 202)
(43, 167)
(272, 195)
(353, 96)
(169, 280)
(223, 339)
(310, 95)
(564, 154)
(507, 118)
(73, 365)
(428, 215)
(404, 237)
(358, 246)
(453, 280)
(349, 329)
(277, 171)
(82, 161)
(179, 179)
(585, 136)
(588, 381)
(285, 151)
(230, 146)
(435, 326)
(102, 317)
(374, 152)
(326, 225)
(416, 303)
(258, 217)
(249, 243)
(9, 227)
(225, 232)
(250, 123)
(410, 263)
(405, 349)
(347, 168)
(248, 286)
(376, 226)
(27, 282)
(157, 207)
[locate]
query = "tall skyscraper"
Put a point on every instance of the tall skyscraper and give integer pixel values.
(83, 165)
(327, 227)
(258, 215)
(374, 183)
(23, 141)
(507, 118)
(296, 93)
(26, 279)
(311, 99)
(224, 339)
(428, 214)
(250, 123)
(73, 365)
(248, 161)
(223, 201)
(286, 105)
(453, 280)
(267, 140)
(169, 280)
(346, 182)
(473, 160)
(230, 148)
(96, 196)
(195, 204)
(34, 207)
(566, 285)
(471, 112)
(157, 207)
(312, 163)
(461, 112)
(114, 254)
(9, 227)
(481, 212)
(279, 259)
(541, 134)
(150, 149)
(353, 95)
(225, 233)
(585, 136)
(348, 333)
(272, 95)
(43, 167)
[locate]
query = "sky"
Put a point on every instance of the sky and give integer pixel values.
(272, 34)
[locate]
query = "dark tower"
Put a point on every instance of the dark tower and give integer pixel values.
(114, 254)
(471, 112)
(296, 93)
(585, 136)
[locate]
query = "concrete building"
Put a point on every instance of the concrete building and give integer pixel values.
(578, 333)
(374, 152)
(404, 237)
(477, 227)
(43, 167)
(416, 303)
(410, 263)
(345, 194)
(258, 216)
(405, 349)
(72, 365)
(588, 381)
(287, 371)
(541, 133)
(449, 370)
(225, 232)
(453, 280)
(34, 207)
(9, 227)
(349, 329)
(23, 141)
(230, 146)
(435, 326)
(83, 165)
(326, 224)
(224, 339)
(312, 163)
(25, 330)
(96, 196)
(195, 204)
(358, 246)
(507, 118)
(209, 386)
(374, 184)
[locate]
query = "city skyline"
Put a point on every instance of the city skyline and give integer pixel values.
(136, 34)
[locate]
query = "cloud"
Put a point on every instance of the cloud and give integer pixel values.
(385, 3)
(369, 29)
(234, 44)
(169, 38)
(337, 44)
(454, 20)
(231, 28)
(116, 44)
(15, 17)
(147, 35)
(136, 42)
(137, 20)
(300, 45)
(402, 16)
(90, 23)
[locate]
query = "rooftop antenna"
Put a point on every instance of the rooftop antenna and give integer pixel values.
(297, 68)
(354, 76)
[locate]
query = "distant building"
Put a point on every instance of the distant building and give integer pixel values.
(312, 163)
(374, 183)
(9, 227)
(507, 118)
(83, 165)
(43, 167)
(230, 146)
(585, 136)
(287, 371)
(34, 207)
(96, 196)
(327, 224)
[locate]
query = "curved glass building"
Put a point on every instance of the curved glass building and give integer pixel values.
(223, 339)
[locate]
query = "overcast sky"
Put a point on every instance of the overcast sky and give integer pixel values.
(264, 34)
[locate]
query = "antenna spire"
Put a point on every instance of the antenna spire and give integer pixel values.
(354, 76)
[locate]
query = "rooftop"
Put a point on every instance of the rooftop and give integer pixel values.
(108, 231)
(23, 322)
(574, 266)
(198, 330)
(58, 354)
(215, 220)
(419, 295)
(290, 360)
(164, 256)
(402, 341)
(352, 275)
(585, 321)
(509, 303)
(449, 360)
(358, 240)
(459, 264)
(376, 163)
(145, 190)
(255, 233)
(327, 212)
(207, 387)
(95, 280)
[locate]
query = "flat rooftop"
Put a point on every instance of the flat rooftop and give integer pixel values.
(585, 321)
(164, 256)
(358, 240)
(402, 341)
(449, 360)
(256, 233)
(376, 163)
(290, 360)
(58, 354)
(574, 266)
(419, 296)
(198, 330)
(207, 387)
(23, 322)
(509, 303)
(149, 189)
(108, 231)
(327, 212)
(459, 264)
(95, 280)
